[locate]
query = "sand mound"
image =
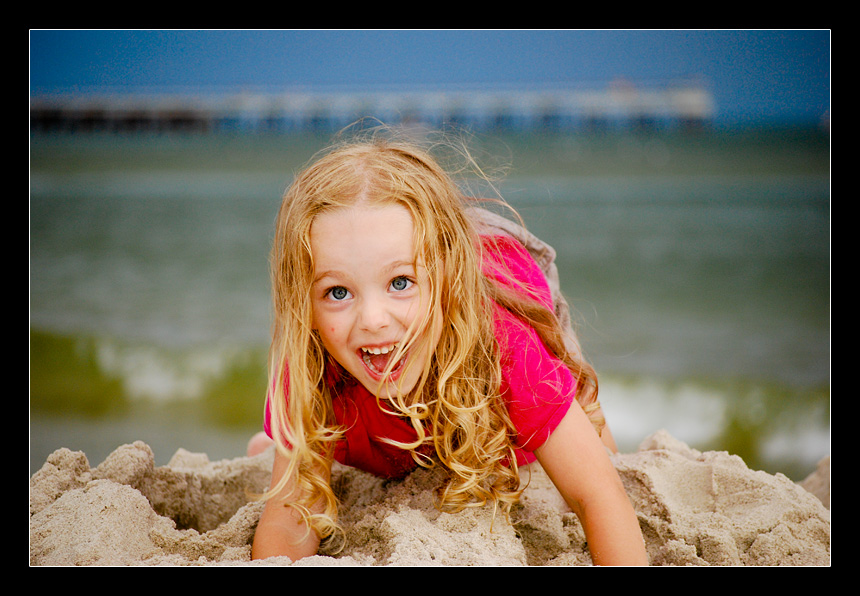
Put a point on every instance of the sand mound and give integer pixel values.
(694, 509)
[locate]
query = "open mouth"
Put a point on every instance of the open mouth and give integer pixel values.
(376, 360)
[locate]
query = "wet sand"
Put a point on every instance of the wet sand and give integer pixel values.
(694, 508)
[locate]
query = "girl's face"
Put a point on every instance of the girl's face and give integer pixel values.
(366, 293)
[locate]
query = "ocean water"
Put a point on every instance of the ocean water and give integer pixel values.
(698, 267)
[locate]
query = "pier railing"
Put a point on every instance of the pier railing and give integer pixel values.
(615, 105)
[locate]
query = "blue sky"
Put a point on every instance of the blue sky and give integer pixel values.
(755, 75)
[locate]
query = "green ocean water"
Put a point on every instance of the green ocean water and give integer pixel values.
(698, 266)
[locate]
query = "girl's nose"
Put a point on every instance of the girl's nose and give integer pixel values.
(374, 315)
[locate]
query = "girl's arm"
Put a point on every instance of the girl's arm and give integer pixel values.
(576, 460)
(606, 435)
(281, 530)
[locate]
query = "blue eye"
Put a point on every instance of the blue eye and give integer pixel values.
(338, 293)
(399, 284)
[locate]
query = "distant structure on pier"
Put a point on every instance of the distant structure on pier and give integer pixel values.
(617, 105)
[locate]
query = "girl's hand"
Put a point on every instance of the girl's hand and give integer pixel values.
(281, 530)
(576, 460)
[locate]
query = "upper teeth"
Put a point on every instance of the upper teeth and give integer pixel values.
(382, 350)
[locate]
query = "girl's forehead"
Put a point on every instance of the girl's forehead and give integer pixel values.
(339, 219)
(365, 212)
(361, 228)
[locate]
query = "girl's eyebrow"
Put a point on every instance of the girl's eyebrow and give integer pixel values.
(387, 270)
(324, 275)
(397, 265)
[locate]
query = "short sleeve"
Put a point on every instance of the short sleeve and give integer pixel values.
(537, 387)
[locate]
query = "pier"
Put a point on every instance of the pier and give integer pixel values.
(618, 104)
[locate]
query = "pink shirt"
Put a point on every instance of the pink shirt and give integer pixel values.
(537, 387)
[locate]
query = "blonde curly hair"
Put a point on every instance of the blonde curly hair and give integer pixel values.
(455, 408)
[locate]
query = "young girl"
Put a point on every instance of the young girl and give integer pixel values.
(412, 329)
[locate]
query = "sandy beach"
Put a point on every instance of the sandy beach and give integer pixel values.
(694, 508)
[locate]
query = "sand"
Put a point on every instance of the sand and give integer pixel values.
(694, 508)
